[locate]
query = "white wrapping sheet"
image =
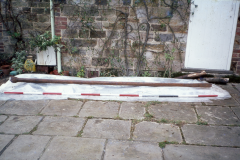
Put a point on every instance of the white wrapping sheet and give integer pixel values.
(110, 89)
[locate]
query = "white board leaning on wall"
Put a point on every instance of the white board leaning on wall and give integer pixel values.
(211, 34)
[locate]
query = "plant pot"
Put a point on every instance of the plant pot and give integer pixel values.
(6, 72)
(55, 72)
(65, 73)
(5, 66)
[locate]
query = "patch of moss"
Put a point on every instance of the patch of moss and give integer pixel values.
(163, 144)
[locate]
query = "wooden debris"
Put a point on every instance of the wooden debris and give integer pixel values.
(192, 75)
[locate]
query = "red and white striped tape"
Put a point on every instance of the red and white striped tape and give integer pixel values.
(98, 94)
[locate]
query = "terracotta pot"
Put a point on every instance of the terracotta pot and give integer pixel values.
(65, 73)
(55, 72)
(5, 66)
(6, 71)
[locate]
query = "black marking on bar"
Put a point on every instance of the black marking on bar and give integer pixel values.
(168, 95)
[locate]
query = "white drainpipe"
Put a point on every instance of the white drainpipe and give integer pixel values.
(53, 33)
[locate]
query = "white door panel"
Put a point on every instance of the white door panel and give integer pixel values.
(211, 34)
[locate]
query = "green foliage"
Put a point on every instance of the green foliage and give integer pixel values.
(201, 123)
(148, 116)
(5, 59)
(163, 144)
(18, 62)
(43, 41)
(109, 73)
(146, 74)
(168, 57)
(163, 120)
(81, 72)
(14, 34)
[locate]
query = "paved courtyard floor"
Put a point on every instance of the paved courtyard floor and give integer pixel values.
(115, 130)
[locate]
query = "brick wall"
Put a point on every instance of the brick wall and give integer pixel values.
(103, 22)
(1, 41)
(39, 18)
(235, 65)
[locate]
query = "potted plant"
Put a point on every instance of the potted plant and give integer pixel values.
(6, 69)
(43, 41)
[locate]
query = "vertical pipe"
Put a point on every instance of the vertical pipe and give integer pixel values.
(52, 18)
(53, 34)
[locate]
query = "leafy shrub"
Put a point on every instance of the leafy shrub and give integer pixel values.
(18, 62)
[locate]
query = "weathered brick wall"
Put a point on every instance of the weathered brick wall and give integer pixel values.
(37, 17)
(89, 44)
(103, 22)
(1, 40)
(235, 65)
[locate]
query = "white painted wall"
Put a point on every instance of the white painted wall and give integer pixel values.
(211, 34)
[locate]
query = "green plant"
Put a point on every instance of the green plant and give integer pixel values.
(90, 117)
(80, 133)
(201, 123)
(18, 62)
(43, 41)
(163, 144)
(81, 72)
(163, 120)
(146, 74)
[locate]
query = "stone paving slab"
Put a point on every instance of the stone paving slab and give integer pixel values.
(19, 124)
(2, 118)
(132, 150)
(2, 102)
(217, 115)
(184, 103)
(183, 152)
(62, 108)
(228, 87)
(211, 135)
(107, 128)
(237, 98)
(66, 126)
(72, 148)
(99, 109)
(237, 85)
(155, 132)
(236, 110)
(174, 111)
(23, 107)
(226, 102)
(132, 110)
(25, 147)
(4, 140)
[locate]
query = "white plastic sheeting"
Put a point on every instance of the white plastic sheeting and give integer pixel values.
(110, 89)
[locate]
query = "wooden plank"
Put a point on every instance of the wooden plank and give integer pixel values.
(31, 80)
(192, 76)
